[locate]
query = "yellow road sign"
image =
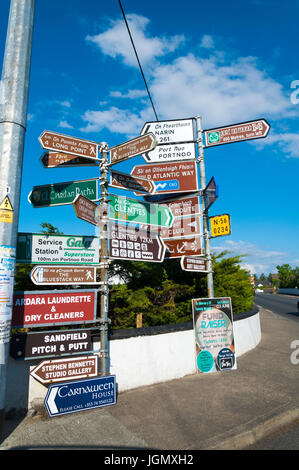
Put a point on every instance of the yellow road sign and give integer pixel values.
(220, 225)
(6, 211)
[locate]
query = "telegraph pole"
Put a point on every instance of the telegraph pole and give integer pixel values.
(202, 170)
(13, 119)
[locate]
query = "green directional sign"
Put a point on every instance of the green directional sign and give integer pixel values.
(125, 209)
(58, 194)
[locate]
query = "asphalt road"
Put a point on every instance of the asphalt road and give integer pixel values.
(280, 304)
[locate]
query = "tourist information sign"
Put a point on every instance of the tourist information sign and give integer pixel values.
(173, 131)
(125, 209)
(58, 194)
(220, 225)
(177, 177)
(190, 263)
(85, 209)
(237, 132)
(42, 344)
(61, 160)
(183, 206)
(132, 148)
(70, 397)
(124, 181)
(38, 248)
(136, 245)
(64, 143)
(64, 275)
(171, 153)
(189, 246)
(57, 370)
(61, 307)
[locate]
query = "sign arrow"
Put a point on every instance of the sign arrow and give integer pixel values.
(132, 148)
(64, 143)
(237, 132)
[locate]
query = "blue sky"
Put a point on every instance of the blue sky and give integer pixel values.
(229, 62)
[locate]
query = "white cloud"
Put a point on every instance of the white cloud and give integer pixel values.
(220, 93)
(258, 260)
(287, 142)
(116, 120)
(131, 94)
(207, 42)
(116, 43)
(65, 124)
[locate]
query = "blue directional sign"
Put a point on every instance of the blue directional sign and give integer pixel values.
(70, 397)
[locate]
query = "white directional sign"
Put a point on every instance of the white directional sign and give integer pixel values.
(167, 132)
(171, 153)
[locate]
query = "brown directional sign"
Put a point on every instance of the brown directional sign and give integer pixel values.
(132, 148)
(53, 343)
(190, 263)
(85, 209)
(72, 145)
(181, 207)
(58, 370)
(136, 245)
(237, 132)
(189, 246)
(181, 227)
(124, 181)
(61, 160)
(176, 177)
(63, 275)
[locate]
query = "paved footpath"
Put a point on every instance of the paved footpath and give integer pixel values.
(225, 410)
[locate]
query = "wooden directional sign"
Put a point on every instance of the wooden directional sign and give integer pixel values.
(190, 263)
(64, 143)
(132, 148)
(61, 160)
(173, 131)
(171, 153)
(177, 177)
(40, 308)
(38, 248)
(183, 207)
(181, 227)
(40, 344)
(80, 395)
(136, 245)
(125, 209)
(124, 181)
(237, 132)
(189, 246)
(85, 209)
(63, 275)
(58, 370)
(58, 194)
(220, 225)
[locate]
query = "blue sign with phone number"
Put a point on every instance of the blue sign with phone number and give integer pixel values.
(70, 397)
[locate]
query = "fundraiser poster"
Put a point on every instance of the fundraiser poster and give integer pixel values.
(214, 334)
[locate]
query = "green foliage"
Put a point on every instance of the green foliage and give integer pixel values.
(288, 277)
(162, 292)
(230, 280)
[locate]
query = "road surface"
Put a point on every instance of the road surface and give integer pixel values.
(280, 304)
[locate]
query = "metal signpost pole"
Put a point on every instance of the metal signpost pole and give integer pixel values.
(202, 170)
(13, 118)
(103, 220)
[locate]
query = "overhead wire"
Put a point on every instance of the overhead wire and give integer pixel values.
(140, 67)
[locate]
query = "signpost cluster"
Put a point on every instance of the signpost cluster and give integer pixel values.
(168, 220)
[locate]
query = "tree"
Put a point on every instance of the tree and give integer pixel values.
(288, 277)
